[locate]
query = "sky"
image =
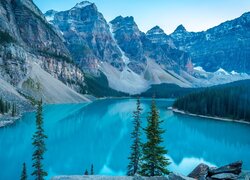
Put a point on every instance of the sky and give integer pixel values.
(195, 15)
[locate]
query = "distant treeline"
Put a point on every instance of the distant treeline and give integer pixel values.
(167, 91)
(229, 101)
(7, 108)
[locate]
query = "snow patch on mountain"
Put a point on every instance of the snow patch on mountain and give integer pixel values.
(234, 73)
(49, 15)
(124, 57)
(199, 68)
(221, 71)
(82, 4)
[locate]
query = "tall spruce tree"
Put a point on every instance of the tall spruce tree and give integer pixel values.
(24, 175)
(92, 170)
(136, 150)
(39, 145)
(86, 172)
(154, 162)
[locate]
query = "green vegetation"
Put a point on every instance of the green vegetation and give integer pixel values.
(4, 106)
(92, 170)
(39, 146)
(8, 108)
(148, 159)
(154, 162)
(31, 84)
(168, 91)
(226, 101)
(86, 172)
(99, 87)
(5, 38)
(32, 100)
(24, 175)
(13, 110)
(136, 150)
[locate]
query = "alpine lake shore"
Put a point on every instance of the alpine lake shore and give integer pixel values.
(231, 171)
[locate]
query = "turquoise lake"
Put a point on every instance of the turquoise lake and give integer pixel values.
(98, 133)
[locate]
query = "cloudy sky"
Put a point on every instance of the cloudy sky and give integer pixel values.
(195, 15)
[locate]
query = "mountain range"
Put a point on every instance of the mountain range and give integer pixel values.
(64, 57)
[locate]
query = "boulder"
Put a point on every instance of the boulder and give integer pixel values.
(234, 168)
(244, 175)
(200, 172)
(177, 176)
(225, 176)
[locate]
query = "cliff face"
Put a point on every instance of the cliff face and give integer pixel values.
(155, 45)
(27, 38)
(88, 37)
(225, 46)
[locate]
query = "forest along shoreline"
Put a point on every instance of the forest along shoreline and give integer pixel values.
(174, 110)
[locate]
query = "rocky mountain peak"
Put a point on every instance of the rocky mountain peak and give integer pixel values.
(125, 23)
(157, 36)
(50, 14)
(180, 29)
(84, 4)
(128, 21)
(155, 30)
(88, 36)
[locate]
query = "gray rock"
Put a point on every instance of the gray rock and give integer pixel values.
(177, 176)
(225, 176)
(244, 175)
(225, 46)
(30, 38)
(97, 177)
(88, 36)
(155, 44)
(234, 168)
(200, 172)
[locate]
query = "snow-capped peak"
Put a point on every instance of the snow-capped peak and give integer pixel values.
(234, 73)
(155, 30)
(83, 4)
(222, 71)
(49, 15)
(199, 68)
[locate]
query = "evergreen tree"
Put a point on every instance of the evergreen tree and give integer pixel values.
(135, 156)
(4, 106)
(24, 175)
(154, 162)
(13, 111)
(86, 172)
(92, 169)
(39, 145)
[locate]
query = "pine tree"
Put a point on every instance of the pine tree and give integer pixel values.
(154, 162)
(92, 169)
(86, 172)
(24, 175)
(13, 112)
(135, 156)
(39, 146)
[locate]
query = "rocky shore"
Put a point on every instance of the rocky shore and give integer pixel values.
(6, 120)
(208, 117)
(231, 171)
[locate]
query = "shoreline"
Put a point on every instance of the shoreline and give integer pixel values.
(7, 120)
(208, 117)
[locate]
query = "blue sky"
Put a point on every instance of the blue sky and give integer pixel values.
(195, 15)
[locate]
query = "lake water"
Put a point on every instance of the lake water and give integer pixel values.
(99, 133)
